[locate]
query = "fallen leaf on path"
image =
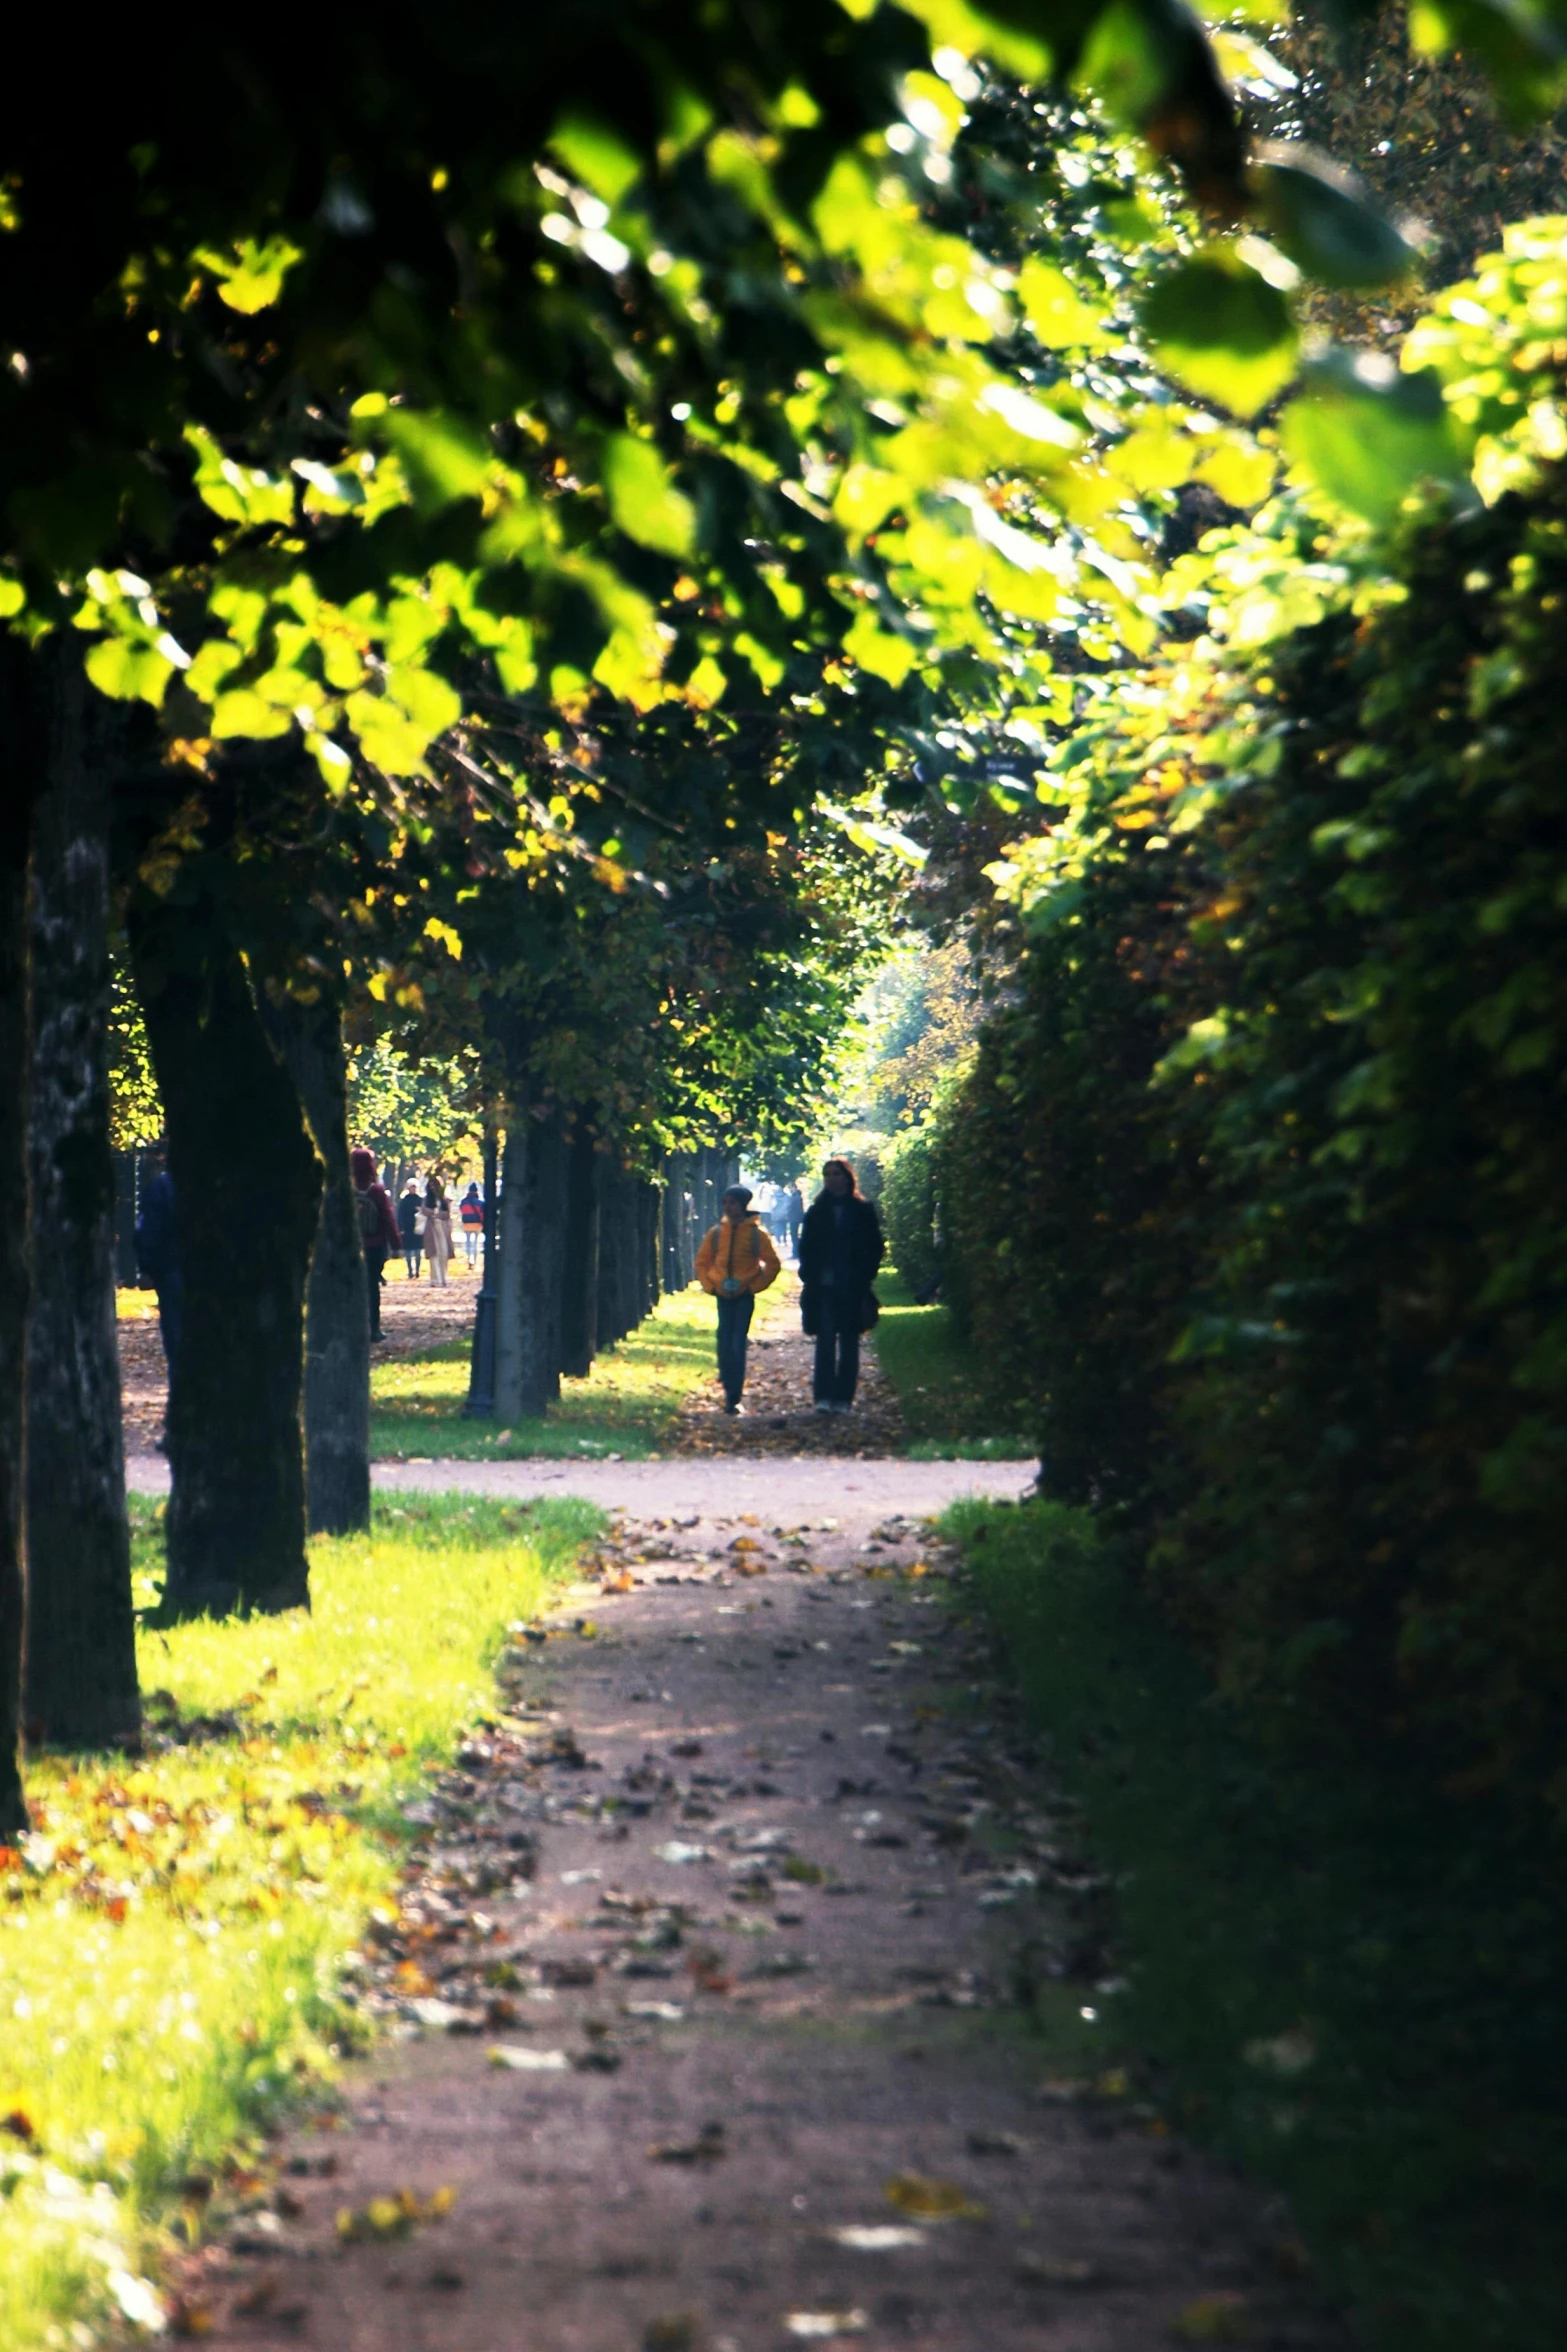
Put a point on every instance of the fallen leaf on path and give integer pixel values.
(188, 2316)
(881, 2237)
(678, 2331)
(676, 1850)
(819, 2327)
(925, 2199)
(709, 2145)
(528, 2061)
(391, 2217)
(1049, 2270)
(662, 2012)
(1220, 2318)
(996, 2143)
(447, 2017)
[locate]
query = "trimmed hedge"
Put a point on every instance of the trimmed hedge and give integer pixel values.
(1258, 1190)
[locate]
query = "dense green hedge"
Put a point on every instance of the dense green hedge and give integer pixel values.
(908, 1209)
(1259, 1188)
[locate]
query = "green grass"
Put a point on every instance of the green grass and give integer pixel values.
(169, 1934)
(627, 1405)
(936, 1382)
(1343, 1982)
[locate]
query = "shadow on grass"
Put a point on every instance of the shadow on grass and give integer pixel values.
(1346, 1982)
(936, 1380)
(626, 1407)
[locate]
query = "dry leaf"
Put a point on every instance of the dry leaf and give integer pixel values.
(1219, 2318)
(820, 2327)
(931, 2200)
(1047, 2270)
(528, 2061)
(708, 2146)
(877, 2237)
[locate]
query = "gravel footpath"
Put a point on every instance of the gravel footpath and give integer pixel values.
(805, 1487)
(722, 1962)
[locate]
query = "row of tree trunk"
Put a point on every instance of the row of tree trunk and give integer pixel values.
(268, 1416)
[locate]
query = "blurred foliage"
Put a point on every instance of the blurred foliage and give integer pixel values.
(1279, 1088)
(422, 1112)
(1427, 136)
(909, 1211)
(135, 1107)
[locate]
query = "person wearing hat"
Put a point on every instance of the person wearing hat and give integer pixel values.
(735, 1261)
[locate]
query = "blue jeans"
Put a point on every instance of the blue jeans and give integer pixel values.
(734, 1323)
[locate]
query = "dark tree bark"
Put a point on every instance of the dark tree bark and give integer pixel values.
(337, 1306)
(650, 1222)
(580, 1266)
(18, 748)
(248, 1194)
(612, 1188)
(533, 1210)
(79, 1676)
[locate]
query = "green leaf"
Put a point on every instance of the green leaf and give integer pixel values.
(596, 155)
(1054, 308)
(244, 713)
(878, 651)
(250, 276)
(444, 459)
(1368, 434)
(1315, 213)
(130, 673)
(642, 498)
(1219, 329)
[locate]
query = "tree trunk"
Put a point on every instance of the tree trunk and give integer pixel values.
(17, 745)
(652, 1200)
(580, 1268)
(611, 1186)
(533, 1214)
(337, 1307)
(79, 1681)
(247, 1200)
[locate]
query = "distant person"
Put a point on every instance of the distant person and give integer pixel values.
(158, 1258)
(410, 1224)
(794, 1218)
(736, 1259)
(437, 1232)
(472, 1214)
(378, 1231)
(840, 1250)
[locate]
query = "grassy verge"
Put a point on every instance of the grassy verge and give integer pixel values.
(169, 1933)
(1344, 1983)
(936, 1382)
(626, 1406)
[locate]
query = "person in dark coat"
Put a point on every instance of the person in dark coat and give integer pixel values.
(794, 1217)
(840, 1250)
(409, 1210)
(158, 1259)
(377, 1228)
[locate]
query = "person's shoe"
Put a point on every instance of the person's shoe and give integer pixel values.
(825, 1405)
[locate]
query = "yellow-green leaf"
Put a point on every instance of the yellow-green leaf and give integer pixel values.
(642, 498)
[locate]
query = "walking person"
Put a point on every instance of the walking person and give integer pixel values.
(409, 1221)
(472, 1215)
(437, 1232)
(158, 1265)
(734, 1261)
(840, 1250)
(794, 1218)
(378, 1233)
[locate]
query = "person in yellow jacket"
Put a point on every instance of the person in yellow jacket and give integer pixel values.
(735, 1261)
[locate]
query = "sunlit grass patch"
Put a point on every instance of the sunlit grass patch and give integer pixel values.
(946, 1413)
(170, 1932)
(627, 1404)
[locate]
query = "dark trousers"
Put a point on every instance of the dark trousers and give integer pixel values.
(375, 1266)
(734, 1324)
(837, 1354)
(411, 1252)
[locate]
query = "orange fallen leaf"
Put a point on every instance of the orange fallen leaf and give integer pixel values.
(924, 2199)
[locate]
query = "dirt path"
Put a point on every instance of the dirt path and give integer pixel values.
(413, 1317)
(712, 1954)
(778, 1416)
